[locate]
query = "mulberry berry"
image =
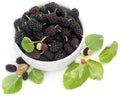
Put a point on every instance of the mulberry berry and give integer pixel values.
(18, 23)
(60, 54)
(19, 60)
(35, 54)
(38, 35)
(65, 33)
(25, 75)
(87, 52)
(25, 27)
(68, 49)
(11, 68)
(63, 22)
(55, 46)
(52, 18)
(44, 9)
(34, 25)
(34, 9)
(79, 22)
(51, 6)
(58, 37)
(44, 47)
(74, 13)
(50, 31)
(49, 55)
(60, 12)
(19, 36)
(74, 43)
(78, 31)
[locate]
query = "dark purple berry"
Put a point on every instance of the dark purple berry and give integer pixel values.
(25, 75)
(11, 68)
(79, 22)
(87, 52)
(74, 13)
(51, 6)
(18, 23)
(55, 46)
(68, 49)
(78, 31)
(52, 18)
(74, 43)
(44, 9)
(58, 37)
(44, 47)
(19, 36)
(65, 33)
(35, 54)
(60, 54)
(19, 60)
(38, 35)
(49, 55)
(34, 25)
(60, 12)
(63, 22)
(34, 9)
(50, 31)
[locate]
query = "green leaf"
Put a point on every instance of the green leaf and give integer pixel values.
(94, 42)
(75, 75)
(27, 45)
(36, 76)
(12, 84)
(95, 70)
(108, 53)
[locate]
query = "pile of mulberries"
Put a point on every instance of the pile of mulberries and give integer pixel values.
(55, 30)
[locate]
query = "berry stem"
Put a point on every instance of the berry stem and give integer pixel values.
(55, 11)
(41, 40)
(18, 28)
(28, 17)
(66, 38)
(49, 45)
(42, 53)
(40, 15)
(65, 14)
(44, 24)
(49, 12)
(56, 26)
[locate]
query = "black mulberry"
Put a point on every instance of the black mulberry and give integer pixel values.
(11, 68)
(68, 48)
(19, 36)
(60, 54)
(74, 13)
(50, 31)
(34, 25)
(74, 43)
(19, 60)
(55, 46)
(25, 75)
(49, 55)
(34, 9)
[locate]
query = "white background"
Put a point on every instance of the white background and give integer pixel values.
(97, 16)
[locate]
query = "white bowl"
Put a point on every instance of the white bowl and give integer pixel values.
(52, 65)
